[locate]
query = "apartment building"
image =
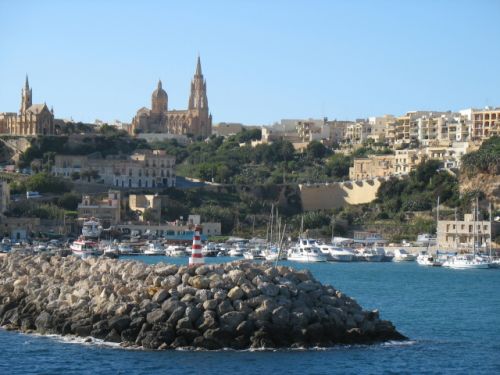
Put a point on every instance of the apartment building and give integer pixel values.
(142, 169)
(107, 210)
(460, 234)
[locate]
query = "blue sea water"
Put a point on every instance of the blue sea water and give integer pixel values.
(452, 318)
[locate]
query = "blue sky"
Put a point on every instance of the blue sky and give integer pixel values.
(263, 60)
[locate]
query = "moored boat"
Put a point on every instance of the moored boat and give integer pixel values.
(84, 247)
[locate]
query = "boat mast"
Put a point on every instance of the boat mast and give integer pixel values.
(457, 242)
(489, 212)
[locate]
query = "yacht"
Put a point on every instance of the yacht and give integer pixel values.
(210, 250)
(176, 251)
(427, 259)
(91, 228)
(401, 255)
(273, 254)
(83, 247)
(425, 239)
(154, 248)
(372, 254)
(237, 250)
(466, 261)
(335, 253)
(306, 251)
(254, 253)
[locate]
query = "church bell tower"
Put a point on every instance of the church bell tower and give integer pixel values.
(26, 99)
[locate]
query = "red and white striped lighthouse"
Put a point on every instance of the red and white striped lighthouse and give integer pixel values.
(196, 257)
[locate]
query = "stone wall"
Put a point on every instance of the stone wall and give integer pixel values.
(335, 195)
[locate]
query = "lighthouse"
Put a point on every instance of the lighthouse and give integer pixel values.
(196, 257)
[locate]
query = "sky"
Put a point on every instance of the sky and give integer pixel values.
(263, 60)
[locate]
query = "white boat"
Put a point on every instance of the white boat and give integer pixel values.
(336, 253)
(254, 253)
(84, 247)
(401, 255)
(176, 251)
(237, 250)
(125, 249)
(426, 259)
(111, 250)
(210, 250)
(306, 251)
(466, 261)
(273, 253)
(91, 228)
(154, 248)
(372, 254)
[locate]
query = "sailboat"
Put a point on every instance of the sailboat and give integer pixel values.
(469, 261)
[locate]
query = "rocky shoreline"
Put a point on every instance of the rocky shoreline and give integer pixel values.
(237, 305)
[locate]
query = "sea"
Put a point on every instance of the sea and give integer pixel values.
(451, 317)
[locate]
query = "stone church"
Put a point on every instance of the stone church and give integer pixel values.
(32, 120)
(195, 120)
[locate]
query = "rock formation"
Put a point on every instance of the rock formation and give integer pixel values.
(235, 305)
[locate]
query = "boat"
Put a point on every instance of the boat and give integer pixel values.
(466, 261)
(176, 251)
(210, 250)
(335, 253)
(84, 247)
(306, 250)
(111, 251)
(125, 249)
(91, 229)
(424, 258)
(153, 248)
(237, 250)
(401, 255)
(254, 253)
(372, 254)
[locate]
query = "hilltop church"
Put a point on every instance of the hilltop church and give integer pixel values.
(32, 120)
(196, 120)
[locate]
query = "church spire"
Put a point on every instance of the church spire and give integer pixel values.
(198, 97)
(198, 67)
(26, 96)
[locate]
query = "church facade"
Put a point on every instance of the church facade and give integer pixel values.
(32, 119)
(196, 120)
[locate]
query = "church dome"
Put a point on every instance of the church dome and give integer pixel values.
(159, 92)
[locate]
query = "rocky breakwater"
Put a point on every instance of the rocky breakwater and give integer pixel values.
(236, 305)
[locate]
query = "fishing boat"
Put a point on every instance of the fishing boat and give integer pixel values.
(84, 247)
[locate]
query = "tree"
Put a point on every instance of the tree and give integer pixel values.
(338, 166)
(69, 201)
(46, 183)
(149, 214)
(316, 150)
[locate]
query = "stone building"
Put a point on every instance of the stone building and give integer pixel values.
(107, 210)
(143, 169)
(32, 119)
(460, 234)
(141, 202)
(372, 167)
(196, 120)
